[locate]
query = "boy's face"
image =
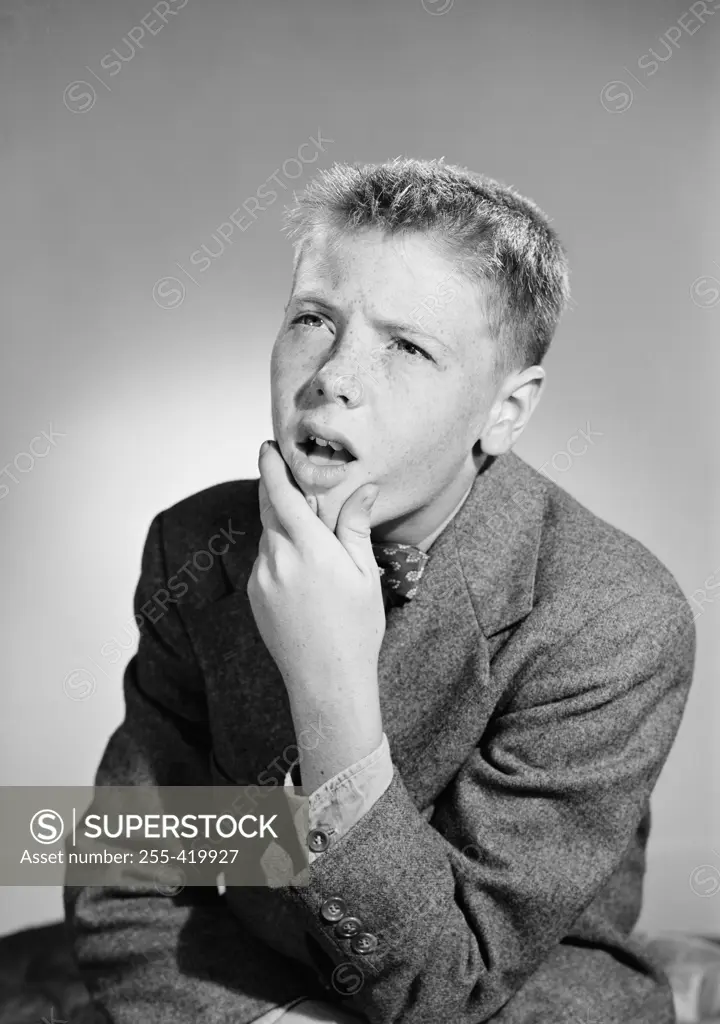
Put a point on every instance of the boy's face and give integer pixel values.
(383, 342)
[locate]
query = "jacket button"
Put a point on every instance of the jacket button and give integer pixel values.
(348, 927)
(333, 909)
(317, 840)
(363, 942)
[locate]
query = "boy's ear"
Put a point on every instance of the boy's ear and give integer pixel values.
(515, 401)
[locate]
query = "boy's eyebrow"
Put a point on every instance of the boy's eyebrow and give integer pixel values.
(310, 297)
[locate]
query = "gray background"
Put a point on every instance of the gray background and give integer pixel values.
(103, 196)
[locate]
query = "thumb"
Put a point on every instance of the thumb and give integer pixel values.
(353, 525)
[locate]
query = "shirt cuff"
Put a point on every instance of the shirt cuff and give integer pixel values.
(279, 1013)
(342, 801)
(308, 1011)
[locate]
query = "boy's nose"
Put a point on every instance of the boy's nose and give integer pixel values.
(346, 377)
(339, 383)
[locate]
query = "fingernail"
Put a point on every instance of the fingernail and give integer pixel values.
(264, 446)
(369, 499)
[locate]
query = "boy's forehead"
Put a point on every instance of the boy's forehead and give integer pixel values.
(329, 258)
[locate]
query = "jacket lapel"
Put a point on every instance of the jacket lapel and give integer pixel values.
(436, 690)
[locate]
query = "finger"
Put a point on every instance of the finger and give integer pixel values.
(289, 505)
(354, 526)
(268, 553)
(267, 512)
(273, 536)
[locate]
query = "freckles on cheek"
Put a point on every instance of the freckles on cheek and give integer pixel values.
(292, 364)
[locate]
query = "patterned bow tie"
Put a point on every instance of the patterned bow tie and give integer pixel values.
(401, 567)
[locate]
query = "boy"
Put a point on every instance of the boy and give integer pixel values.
(479, 679)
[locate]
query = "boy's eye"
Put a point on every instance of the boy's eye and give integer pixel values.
(309, 316)
(411, 345)
(317, 321)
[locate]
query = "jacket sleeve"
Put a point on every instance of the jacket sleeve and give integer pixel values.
(146, 956)
(457, 913)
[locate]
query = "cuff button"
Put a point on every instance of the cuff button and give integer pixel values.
(318, 840)
(363, 942)
(333, 909)
(348, 927)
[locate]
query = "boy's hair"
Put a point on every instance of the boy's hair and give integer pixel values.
(495, 236)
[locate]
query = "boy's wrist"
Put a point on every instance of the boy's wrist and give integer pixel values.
(351, 729)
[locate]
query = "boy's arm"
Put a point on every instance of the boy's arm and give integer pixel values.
(147, 956)
(548, 803)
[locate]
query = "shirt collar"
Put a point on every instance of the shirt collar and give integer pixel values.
(427, 541)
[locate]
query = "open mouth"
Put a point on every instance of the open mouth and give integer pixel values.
(324, 454)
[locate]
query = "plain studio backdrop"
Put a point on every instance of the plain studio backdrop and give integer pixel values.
(129, 136)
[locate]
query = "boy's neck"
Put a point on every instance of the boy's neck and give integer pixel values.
(400, 535)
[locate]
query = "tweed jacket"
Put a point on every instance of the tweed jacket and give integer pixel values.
(530, 694)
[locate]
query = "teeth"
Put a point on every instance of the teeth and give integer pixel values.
(333, 444)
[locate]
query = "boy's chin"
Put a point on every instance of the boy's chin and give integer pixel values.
(330, 502)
